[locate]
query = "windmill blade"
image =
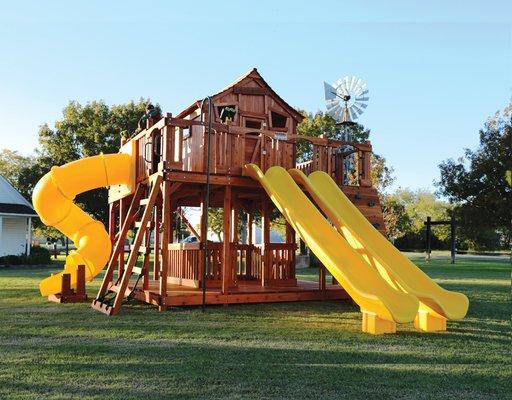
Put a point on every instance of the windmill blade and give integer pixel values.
(346, 83)
(353, 115)
(353, 84)
(362, 105)
(358, 110)
(337, 83)
(334, 110)
(342, 91)
(362, 98)
(338, 115)
(357, 86)
(332, 103)
(329, 91)
(333, 106)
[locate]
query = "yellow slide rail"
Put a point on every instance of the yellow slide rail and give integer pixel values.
(53, 200)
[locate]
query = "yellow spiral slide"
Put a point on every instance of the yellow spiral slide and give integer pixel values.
(436, 304)
(53, 200)
(382, 305)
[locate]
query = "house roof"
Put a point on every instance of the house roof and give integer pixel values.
(12, 202)
(252, 73)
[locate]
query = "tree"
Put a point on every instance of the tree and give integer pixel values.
(83, 131)
(405, 212)
(12, 167)
(396, 220)
(476, 183)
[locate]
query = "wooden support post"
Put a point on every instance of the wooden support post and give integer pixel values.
(203, 237)
(291, 239)
(156, 244)
(249, 228)
(67, 294)
(122, 217)
(166, 213)
(227, 264)
(452, 239)
(113, 207)
(265, 230)
(428, 238)
(321, 277)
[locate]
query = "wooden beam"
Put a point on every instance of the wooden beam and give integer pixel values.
(227, 264)
(189, 225)
(265, 229)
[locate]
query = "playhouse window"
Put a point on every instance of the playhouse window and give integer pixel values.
(253, 124)
(227, 112)
(278, 120)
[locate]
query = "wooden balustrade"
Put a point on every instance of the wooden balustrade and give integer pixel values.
(232, 147)
(186, 260)
(331, 160)
(280, 260)
(247, 258)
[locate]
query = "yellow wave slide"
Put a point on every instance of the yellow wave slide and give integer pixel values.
(382, 305)
(436, 304)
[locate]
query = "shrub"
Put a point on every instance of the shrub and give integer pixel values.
(38, 255)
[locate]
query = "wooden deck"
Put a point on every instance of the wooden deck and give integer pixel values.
(245, 292)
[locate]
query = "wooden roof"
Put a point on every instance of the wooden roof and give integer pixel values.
(252, 74)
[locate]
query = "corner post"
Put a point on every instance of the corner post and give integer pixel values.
(265, 248)
(227, 265)
(452, 238)
(428, 238)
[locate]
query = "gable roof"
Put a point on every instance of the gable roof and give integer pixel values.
(254, 74)
(12, 202)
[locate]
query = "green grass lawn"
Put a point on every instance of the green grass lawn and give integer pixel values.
(308, 350)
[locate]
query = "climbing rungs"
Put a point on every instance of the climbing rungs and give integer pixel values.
(141, 249)
(102, 307)
(137, 270)
(138, 224)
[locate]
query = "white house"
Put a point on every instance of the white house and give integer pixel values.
(16, 215)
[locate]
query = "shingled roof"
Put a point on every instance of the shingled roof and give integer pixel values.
(12, 202)
(254, 74)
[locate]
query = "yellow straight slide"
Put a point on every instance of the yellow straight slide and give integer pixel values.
(53, 200)
(436, 304)
(381, 304)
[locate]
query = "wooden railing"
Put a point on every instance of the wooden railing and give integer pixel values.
(183, 143)
(186, 260)
(248, 261)
(331, 159)
(280, 260)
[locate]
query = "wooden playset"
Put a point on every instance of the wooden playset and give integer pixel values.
(251, 124)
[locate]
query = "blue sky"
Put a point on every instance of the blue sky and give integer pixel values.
(435, 71)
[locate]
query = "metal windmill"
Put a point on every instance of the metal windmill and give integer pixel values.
(346, 99)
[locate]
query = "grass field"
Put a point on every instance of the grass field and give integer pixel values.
(309, 350)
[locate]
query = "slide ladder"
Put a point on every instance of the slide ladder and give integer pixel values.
(111, 296)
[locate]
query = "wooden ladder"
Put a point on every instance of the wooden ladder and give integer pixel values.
(111, 295)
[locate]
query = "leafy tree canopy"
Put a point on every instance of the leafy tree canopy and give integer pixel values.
(83, 130)
(477, 182)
